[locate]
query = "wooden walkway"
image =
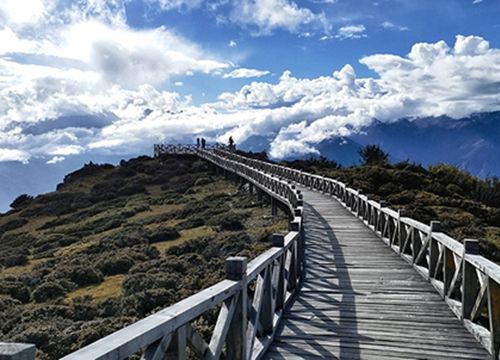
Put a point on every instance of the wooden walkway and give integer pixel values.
(360, 300)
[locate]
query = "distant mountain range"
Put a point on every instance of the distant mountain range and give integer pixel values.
(471, 143)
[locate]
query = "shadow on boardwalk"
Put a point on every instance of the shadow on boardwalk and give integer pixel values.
(326, 268)
(360, 300)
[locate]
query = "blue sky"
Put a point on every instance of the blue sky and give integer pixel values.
(391, 26)
(111, 77)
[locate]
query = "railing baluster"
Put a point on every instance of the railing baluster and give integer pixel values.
(236, 269)
(494, 317)
(470, 283)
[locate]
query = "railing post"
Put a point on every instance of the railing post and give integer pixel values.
(358, 205)
(17, 351)
(300, 200)
(469, 278)
(494, 317)
(279, 241)
(400, 230)
(433, 249)
(274, 206)
(236, 270)
(381, 218)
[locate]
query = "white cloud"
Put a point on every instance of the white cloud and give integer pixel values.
(179, 83)
(176, 4)
(477, 2)
(391, 26)
(433, 79)
(351, 32)
(245, 73)
(56, 159)
(13, 155)
(270, 15)
(232, 43)
(23, 13)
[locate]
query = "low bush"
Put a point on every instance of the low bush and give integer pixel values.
(48, 291)
(115, 265)
(230, 221)
(85, 275)
(164, 234)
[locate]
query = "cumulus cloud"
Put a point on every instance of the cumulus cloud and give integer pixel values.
(351, 32)
(245, 73)
(24, 13)
(270, 15)
(56, 159)
(66, 75)
(13, 155)
(61, 111)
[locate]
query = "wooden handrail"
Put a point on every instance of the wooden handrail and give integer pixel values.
(469, 283)
(250, 301)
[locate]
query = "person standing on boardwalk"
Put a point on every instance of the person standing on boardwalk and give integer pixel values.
(198, 143)
(232, 147)
(203, 143)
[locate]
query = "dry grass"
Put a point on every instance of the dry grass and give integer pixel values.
(31, 227)
(154, 190)
(76, 247)
(493, 235)
(109, 288)
(155, 211)
(217, 187)
(186, 235)
(21, 269)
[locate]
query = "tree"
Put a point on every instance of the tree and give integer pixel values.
(21, 201)
(373, 155)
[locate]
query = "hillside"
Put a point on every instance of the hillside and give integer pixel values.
(114, 244)
(467, 206)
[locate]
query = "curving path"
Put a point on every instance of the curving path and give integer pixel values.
(360, 300)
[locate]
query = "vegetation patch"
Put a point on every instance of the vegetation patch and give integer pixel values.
(111, 287)
(114, 244)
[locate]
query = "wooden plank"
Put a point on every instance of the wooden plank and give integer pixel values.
(359, 297)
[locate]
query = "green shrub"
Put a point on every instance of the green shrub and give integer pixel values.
(15, 289)
(408, 179)
(229, 221)
(146, 301)
(48, 291)
(164, 234)
(13, 260)
(193, 221)
(115, 265)
(85, 275)
(137, 282)
(14, 224)
(21, 201)
(203, 181)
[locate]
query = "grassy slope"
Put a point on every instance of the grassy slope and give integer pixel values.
(466, 206)
(115, 244)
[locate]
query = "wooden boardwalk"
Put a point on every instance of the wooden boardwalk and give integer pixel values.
(360, 300)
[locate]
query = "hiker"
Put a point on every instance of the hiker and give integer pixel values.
(232, 147)
(203, 143)
(198, 143)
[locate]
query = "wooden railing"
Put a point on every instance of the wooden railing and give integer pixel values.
(468, 282)
(159, 149)
(249, 302)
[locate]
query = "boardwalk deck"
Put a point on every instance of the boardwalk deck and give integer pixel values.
(360, 300)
